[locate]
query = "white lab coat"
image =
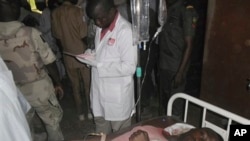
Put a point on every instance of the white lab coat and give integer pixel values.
(112, 83)
(13, 123)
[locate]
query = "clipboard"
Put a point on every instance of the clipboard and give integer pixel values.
(80, 57)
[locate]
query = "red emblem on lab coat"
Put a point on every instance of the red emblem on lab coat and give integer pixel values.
(111, 41)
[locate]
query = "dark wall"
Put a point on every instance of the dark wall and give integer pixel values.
(226, 56)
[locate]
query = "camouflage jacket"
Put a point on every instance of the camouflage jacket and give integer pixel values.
(24, 51)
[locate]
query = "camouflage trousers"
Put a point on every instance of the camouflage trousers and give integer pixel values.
(41, 96)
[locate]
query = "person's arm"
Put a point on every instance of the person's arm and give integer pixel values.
(53, 70)
(185, 59)
(189, 25)
(54, 74)
(48, 58)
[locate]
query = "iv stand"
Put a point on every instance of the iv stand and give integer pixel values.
(138, 94)
(139, 82)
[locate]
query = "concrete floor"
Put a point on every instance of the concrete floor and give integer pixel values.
(72, 127)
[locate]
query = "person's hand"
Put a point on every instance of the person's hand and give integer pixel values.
(139, 135)
(88, 51)
(87, 58)
(91, 61)
(178, 79)
(59, 91)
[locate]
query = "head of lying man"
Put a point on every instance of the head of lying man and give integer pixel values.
(197, 134)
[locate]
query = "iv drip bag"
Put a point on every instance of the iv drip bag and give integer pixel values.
(162, 16)
(162, 12)
(140, 20)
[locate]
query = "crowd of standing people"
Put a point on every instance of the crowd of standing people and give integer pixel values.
(41, 49)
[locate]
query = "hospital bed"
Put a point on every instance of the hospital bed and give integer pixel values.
(206, 114)
(228, 118)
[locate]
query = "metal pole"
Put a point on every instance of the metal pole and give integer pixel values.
(138, 94)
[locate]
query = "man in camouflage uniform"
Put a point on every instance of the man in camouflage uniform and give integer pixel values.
(175, 43)
(27, 55)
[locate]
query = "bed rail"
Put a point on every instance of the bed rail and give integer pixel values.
(231, 117)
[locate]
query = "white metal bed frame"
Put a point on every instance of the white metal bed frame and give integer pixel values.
(208, 107)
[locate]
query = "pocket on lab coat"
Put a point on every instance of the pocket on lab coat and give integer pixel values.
(112, 93)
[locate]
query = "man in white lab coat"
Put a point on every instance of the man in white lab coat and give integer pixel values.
(113, 67)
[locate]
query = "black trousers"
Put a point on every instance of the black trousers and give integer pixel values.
(166, 90)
